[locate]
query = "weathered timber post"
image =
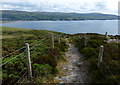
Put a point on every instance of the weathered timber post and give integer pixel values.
(59, 39)
(117, 39)
(100, 57)
(106, 34)
(28, 62)
(85, 42)
(52, 40)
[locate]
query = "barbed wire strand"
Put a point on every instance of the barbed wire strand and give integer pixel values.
(21, 77)
(38, 44)
(12, 59)
(22, 71)
(106, 56)
(17, 56)
(21, 53)
(16, 51)
(111, 73)
(13, 52)
(38, 41)
(18, 74)
(24, 79)
(109, 69)
(111, 59)
(42, 52)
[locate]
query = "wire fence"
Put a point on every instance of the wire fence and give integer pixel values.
(22, 74)
(105, 62)
(13, 52)
(104, 59)
(11, 59)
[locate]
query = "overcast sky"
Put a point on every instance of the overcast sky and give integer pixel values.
(79, 6)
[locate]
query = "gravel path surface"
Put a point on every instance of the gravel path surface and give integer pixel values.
(74, 70)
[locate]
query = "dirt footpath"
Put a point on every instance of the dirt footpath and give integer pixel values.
(74, 70)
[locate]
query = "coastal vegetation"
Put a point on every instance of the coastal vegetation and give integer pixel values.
(108, 71)
(44, 58)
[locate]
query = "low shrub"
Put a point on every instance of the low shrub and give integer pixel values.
(88, 52)
(45, 59)
(41, 69)
(94, 43)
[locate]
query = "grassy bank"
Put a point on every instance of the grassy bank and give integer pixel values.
(4, 29)
(44, 58)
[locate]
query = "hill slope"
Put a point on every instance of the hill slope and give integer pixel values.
(11, 15)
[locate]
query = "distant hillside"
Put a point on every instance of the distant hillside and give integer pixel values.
(11, 15)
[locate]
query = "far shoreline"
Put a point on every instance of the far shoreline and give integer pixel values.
(53, 20)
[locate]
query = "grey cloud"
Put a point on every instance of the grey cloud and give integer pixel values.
(44, 6)
(21, 4)
(100, 6)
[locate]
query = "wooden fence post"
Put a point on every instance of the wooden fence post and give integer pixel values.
(59, 39)
(28, 61)
(52, 40)
(117, 39)
(85, 42)
(100, 57)
(106, 34)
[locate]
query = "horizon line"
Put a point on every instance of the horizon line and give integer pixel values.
(60, 12)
